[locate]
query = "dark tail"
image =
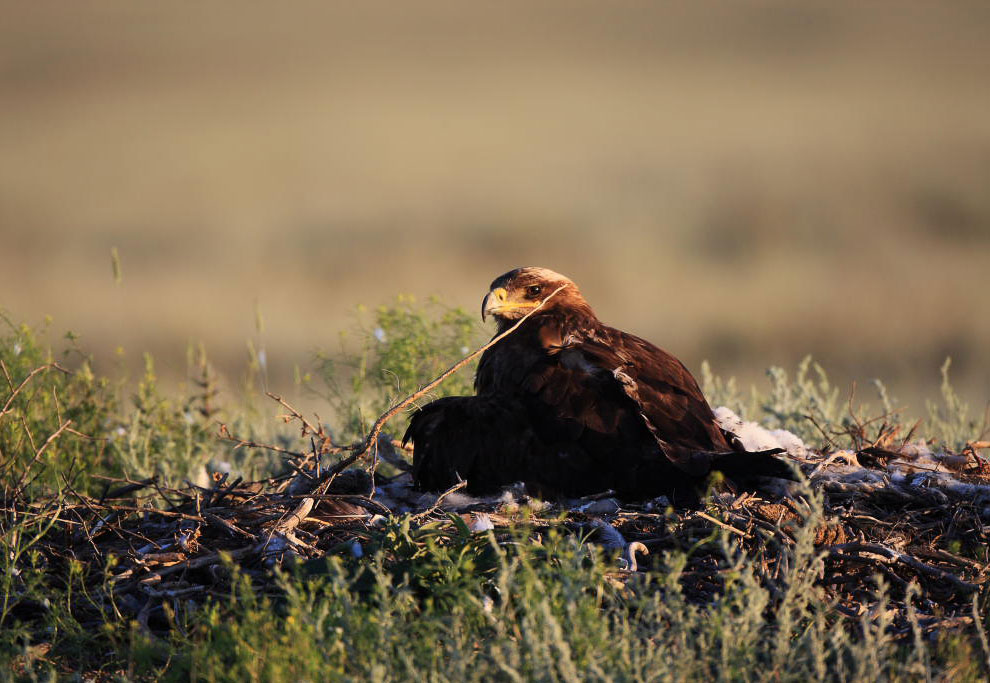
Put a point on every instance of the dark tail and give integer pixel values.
(742, 466)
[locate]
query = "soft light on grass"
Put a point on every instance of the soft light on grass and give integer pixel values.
(431, 602)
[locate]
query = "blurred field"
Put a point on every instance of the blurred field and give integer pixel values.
(744, 182)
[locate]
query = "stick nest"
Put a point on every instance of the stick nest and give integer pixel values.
(915, 518)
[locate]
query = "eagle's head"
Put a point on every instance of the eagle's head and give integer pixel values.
(513, 295)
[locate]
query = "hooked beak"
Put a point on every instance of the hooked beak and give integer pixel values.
(492, 302)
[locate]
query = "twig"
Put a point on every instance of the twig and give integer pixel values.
(828, 439)
(37, 455)
(195, 563)
(13, 395)
(231, 528)
(296, 516)
(146, 510)
(307, 427)
(223, 493)
(6, 374)
(439, 501)
(372, 438)
(225, 435)
(397, 443)
(981, 632)
(889, 555)
(122, 491)
(727, 527)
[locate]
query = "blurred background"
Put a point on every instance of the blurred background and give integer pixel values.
(742, 182)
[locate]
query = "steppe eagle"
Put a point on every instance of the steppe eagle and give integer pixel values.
(571, 407)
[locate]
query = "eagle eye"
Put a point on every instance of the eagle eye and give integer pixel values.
(534, 290)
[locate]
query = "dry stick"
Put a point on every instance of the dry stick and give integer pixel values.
(151, 511)
(10, 381)
(192, 563)
(95, 508)
(439, 501)
(889, 555)
(285, 528)
(296, 516)
(830, 440)
(295, 414)
(980, 631)
(300, 471)
(223, 492)
(911, 432)
(42, 368)
(37, 455)
(225, 435)
(727, 527)
(372, 438)
(217, 483)
(122, 491)
(361, 449)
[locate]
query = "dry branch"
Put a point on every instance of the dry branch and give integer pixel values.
(18, 488)
(372, 438)
(884, 554)
(25, 381)
(439, 501)
(296, 516)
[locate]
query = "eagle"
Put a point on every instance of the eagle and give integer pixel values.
(572, 407)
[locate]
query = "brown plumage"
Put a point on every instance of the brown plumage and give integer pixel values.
(572, 407)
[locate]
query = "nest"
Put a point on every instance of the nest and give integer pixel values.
(916, 518)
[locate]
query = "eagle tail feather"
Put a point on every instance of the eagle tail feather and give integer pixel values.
(745, 465)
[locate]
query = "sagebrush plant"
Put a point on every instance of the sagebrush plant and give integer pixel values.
(809, 403)
(400, 347)
(86, 403)
(951, 420)
(434, 601)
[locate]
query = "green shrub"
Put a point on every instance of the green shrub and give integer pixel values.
(402, 347)
(41, 398)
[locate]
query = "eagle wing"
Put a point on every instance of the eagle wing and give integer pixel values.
(603, 373)
(478, 439)
(577, 413)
